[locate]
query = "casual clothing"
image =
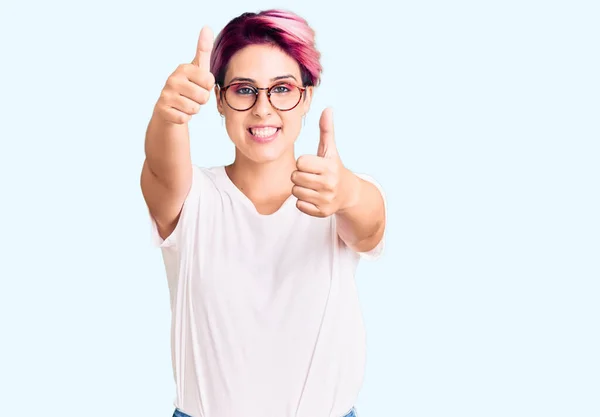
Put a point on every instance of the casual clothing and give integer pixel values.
(179, 413)
(266, 320)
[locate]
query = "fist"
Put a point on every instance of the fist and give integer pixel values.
(322, 185)
(189, 87)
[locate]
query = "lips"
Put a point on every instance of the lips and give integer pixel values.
(263, 132)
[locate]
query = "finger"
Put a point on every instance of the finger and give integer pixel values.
(175, 116)
(184, 105)
(191, 90)
(195, 93)
(327, 146)
(309, 209)
(311, 164)
(307, 180)
(306, 194)
(204, 48)
(199, 77)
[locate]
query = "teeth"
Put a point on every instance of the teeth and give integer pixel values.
(263, 132)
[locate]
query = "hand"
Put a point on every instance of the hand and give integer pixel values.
(189, 87)
(322, 184)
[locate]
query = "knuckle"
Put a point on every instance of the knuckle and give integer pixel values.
(208, 80)
(184, 69)
(211, 80)
(179, 72)
(302, 161)
(203, 80)
(165, 98)
(326, 209)
(204, 96)
(172, 82)
(181, 118)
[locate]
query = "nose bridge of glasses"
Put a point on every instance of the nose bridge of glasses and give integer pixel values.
(267, 95)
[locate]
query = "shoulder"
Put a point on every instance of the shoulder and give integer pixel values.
(202, 196)
(206, 177)
(207, 172)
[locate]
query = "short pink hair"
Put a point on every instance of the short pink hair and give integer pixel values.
(281, 28)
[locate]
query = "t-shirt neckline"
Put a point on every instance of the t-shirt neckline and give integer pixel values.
(239, 195)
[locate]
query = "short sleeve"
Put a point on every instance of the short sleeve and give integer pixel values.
(189, 209)
(377, 251)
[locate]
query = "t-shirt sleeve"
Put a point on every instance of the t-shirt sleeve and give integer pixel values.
(377, 251)
(188, 211)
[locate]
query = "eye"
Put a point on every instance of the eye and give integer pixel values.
(244, 90)
(281, 88)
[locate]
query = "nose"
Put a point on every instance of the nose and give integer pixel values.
(262, 107)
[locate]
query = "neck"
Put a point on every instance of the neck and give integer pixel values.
(263, 181)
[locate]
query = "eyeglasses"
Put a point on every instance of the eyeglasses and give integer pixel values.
(243, 96)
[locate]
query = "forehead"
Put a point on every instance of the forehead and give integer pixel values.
(261, 63)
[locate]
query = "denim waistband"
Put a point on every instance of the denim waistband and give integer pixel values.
(179, 413)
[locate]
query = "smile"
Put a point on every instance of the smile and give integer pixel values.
(263, 134)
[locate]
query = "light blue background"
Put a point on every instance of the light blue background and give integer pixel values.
(479, 119)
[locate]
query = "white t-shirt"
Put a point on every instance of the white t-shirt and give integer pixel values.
(266, 320)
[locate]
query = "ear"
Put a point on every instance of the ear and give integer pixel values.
(218, 97)
(308, 95)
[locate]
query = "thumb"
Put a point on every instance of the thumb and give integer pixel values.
(204, 48)
(327, 147)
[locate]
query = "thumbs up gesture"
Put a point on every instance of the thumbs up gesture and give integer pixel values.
(189, 87)
(322, 185)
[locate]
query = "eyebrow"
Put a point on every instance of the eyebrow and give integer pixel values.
(250, 80)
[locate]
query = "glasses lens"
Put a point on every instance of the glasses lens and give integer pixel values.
(240, 96)
(285, 96)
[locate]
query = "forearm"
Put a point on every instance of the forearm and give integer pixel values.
(167, 149)
(361, 221)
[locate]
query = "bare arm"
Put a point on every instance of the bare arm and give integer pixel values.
(362, 223)
(324, 186)
(166, 173)
(167, 170)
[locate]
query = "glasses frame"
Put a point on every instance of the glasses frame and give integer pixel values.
(223, 94)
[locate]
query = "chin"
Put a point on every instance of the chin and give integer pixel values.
(263, 154)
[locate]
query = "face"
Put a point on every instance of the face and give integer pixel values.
(263, 133)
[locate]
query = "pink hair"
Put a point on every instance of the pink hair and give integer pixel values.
(284, 29)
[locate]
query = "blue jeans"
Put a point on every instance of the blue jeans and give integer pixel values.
(179, 413)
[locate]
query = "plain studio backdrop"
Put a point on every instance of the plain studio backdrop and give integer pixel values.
(479, 119)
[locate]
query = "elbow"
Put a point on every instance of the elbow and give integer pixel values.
(370, 242)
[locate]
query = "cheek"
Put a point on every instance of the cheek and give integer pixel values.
(292, 123)
(234, 123)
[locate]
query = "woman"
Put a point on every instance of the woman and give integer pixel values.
(260, 255)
